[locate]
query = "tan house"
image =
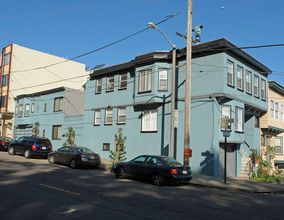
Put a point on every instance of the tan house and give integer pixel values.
(272, 124)
(26, 71)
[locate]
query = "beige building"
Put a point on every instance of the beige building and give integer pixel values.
(26, 71)
(272, 124)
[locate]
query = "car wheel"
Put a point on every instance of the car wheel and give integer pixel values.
(11, 151)
(120, 173)
(158, 180)
(27, 153)
(73, 164)
(51, 159)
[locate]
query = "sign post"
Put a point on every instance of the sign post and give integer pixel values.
(226, 124)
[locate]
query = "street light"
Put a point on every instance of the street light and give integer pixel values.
(153, 26)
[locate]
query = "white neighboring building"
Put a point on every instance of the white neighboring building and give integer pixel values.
(26, 71)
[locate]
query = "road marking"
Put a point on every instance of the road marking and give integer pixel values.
(63, 190)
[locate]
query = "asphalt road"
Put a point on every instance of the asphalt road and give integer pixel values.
(33, 189)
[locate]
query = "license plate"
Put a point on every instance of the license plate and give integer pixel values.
(92, 157)
(44, 148)
(184, 172)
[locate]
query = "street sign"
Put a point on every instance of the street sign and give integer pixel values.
(226, 122)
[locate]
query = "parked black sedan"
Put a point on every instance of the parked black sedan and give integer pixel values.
(4, 142)
(74, 157)
(159, 169)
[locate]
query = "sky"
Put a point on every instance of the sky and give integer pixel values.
(115, 31)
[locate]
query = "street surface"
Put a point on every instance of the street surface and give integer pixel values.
(33, 189)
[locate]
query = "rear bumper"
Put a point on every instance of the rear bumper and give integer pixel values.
(90, 163)
(179, 178)
(40, 153)
(3, 147)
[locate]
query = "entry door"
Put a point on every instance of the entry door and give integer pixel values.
(231, 160)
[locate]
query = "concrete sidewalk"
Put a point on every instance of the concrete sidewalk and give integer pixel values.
(232, 184)
(237, 184)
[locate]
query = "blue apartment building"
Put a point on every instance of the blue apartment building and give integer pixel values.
(136, 96)
(55, 110)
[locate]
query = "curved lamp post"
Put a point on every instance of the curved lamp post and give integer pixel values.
(153, 26)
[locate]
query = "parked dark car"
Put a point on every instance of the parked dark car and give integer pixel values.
(4, 142)
(159, 169)
(30, 146)
(74, 157)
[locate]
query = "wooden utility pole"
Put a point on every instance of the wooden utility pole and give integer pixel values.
(188, 86)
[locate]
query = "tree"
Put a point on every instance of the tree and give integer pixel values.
(118, 155)
(35, 130)
(70, 135)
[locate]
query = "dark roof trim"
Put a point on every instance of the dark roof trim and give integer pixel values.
(276, 86)
(221, 45)
(46, 92)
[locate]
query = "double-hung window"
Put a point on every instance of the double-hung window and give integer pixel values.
(278, 145)
(145, 81)
(239, 120)
(6, 59)
(282, 112)
(108, 116)
(230, 73)
(97, 120)
(240, 81)
(163, 79)
(20, 111)
(150, 120)
(263, 89)
(122, 81)
(121, 115)
(58, 104)
(248, 82)
(98, 86)
(27, 110)
(17, 110)
(276, 110)
(226, 113)
(33, 108)
(272, 109)
(256, 86)
(110, 83)
(4, 80)
(56, 132)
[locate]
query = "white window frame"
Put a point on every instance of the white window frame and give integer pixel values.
(122, 84)
(121, 115)
(145, 81)
(110, 84)
(149, 120)
(239, 122)
(263, 89)
(163, 79)
(16, 110)
(240, 78)
(108, 116)
(97, 117)
(99, 86)
(282, 112)
(248, 82)
(230, 73)
(21, 110)
(278, 145)
(276, 110)
(33, 108)
(256, 86)
(226, 112)
(272, 108)
(27, 110)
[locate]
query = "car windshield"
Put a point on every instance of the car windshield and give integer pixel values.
(43, 141)
(84, 150)
(170, 161)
